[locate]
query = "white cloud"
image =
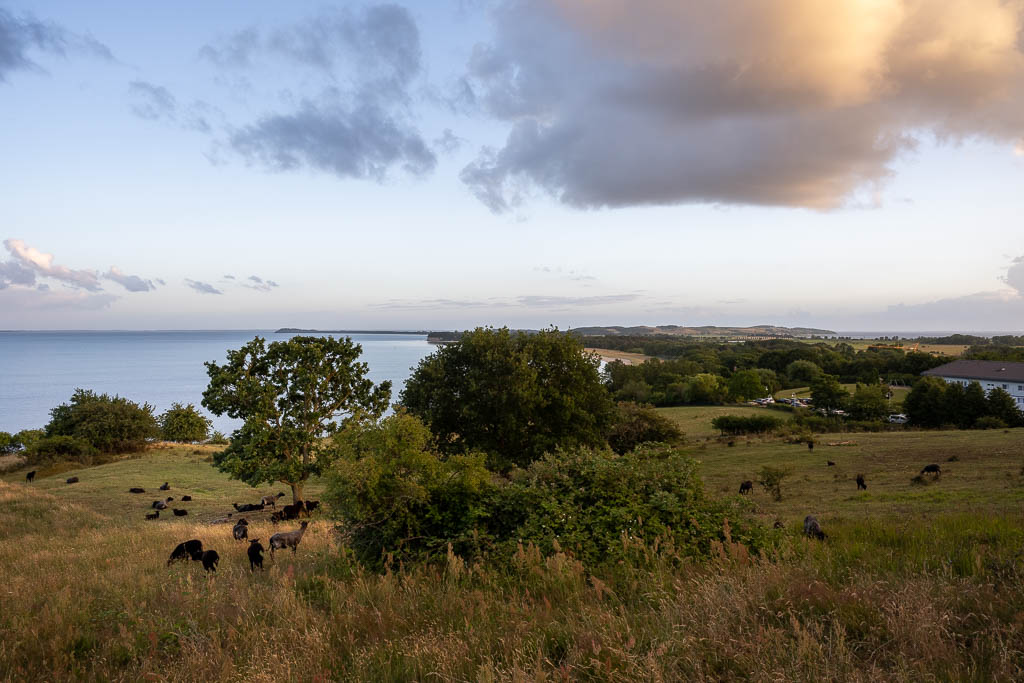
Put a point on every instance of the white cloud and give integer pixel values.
(43, 264)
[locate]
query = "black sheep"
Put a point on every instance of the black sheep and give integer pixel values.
(830, 463)
(312, 505)
(210, 558)
(136, 489)
(30, 476)
(166, 486)
(746, 487)
(810, 445)
(255, 553)
(74, 480)
(812, 529)
(241, 530)
(185, 499)
(189, 549)
(179, 513)
(292, 511)
(861, 486)
(247, 507)
(155, 514)
(932, 469)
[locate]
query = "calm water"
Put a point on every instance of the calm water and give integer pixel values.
(39, 370)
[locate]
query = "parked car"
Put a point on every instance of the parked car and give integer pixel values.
(898, 419)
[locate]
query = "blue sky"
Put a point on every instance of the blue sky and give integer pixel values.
(526, 163)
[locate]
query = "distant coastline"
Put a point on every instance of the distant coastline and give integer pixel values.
(299, 330)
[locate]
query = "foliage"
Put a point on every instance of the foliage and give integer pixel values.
(1002, 406)
(514, 396)
(291, 395)
(706, 388)
(746, 385)
(50, 448)
(771, 479)
(27, 437)
(636, 424)
(397, 495)
(828, 394)
(110, 424)
(183, 424)
(8, 443)
(746, 424)
(869, 402)
(935, 403)
(989, 422)
(803, 372)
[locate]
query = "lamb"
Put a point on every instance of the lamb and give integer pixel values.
(136, 489)
(179, 513)
(155, 514)
(30, 476)
(255, 553)
(287, 539)
(932, 469)
(166, 487)
(271, 500)
(240, 530)
(812, 529)
(746, 487)
(185, 499)
(71, 480)
(209, 558)
(861, 486)
(189, 549)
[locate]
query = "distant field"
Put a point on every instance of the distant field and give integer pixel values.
(898, 394)
(695, 421)
(626, 357)
(951, 350)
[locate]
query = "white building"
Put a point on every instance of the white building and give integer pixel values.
(990, 374)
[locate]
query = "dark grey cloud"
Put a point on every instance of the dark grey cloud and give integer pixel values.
(358, 124)
(613, 103)
(133, 283)
(20, 37)
(202, 287)
(152, 101)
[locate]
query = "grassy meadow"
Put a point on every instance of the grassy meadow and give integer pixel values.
(695, 421)
(916, 582)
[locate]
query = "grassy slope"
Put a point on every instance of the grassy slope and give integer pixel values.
(915, 583)
(695, 421)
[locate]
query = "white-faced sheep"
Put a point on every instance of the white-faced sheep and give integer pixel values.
(255, 553)
(287, 539)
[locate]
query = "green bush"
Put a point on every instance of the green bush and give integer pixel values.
(989, 422)
(51, 448)
(771, 479)
(218, 439)
(27, 437)
(110, 424)
(8, 444)
(741, 424)
(183, 424)
(635, 424)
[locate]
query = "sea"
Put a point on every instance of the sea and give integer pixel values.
(40, 370)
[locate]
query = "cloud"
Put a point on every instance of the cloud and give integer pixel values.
(259, 284)
(229, 277)
(19, 37)
(43, 298)
(575, 301)
(361, 130)
(525, 301)
(1015, 275)
(42, 264)
(13, 273)
(152, 101)
(202, 287)
(770, 102)
(133, 283)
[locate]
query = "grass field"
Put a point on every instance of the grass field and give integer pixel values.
(695, 421)
(898, 394)
(914, 583)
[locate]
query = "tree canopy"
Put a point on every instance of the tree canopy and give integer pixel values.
(291, 395)
(110, 424)
(514, 396)
(183, 423)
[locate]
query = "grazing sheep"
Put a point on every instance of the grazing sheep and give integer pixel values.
(248, 507)
(830, 463)
(812, 529)
(293, 510)
(71, 480)
(312, 505)
(185, 499)
(861, 486)
(287, 539)
(241, 530)
(155, 514)
(136, 489)
(255, 553)
(271, 500)
(183, 551)
(932, 469)
(810, 445)
(166, 487)
(179, 513)
(30, 476)
(209, 558)
(746, 487)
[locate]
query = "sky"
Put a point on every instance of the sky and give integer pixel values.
(852, 165)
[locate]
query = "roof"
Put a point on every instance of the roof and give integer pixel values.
(991, 370)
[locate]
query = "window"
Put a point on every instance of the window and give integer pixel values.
(1006, 386)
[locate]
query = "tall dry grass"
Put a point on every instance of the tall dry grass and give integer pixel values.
(88, 597)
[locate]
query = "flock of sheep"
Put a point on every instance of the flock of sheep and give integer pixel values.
(812, 528)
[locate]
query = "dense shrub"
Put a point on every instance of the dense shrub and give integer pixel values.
(218, 439)
(746, 424)
(50, 448)
(184, 424)
(636, 424)
(110, 424)
(989, 422)
(935, 403)
(8, 444)
(27, 437)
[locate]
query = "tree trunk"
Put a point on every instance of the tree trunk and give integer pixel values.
(297, 491)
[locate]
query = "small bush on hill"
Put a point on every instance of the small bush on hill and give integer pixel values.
(51, 448)
(218, 439)
(636, 423)
(183, 424)
(110, 424)
(989, 422)
(740, 424)
(771, 479)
